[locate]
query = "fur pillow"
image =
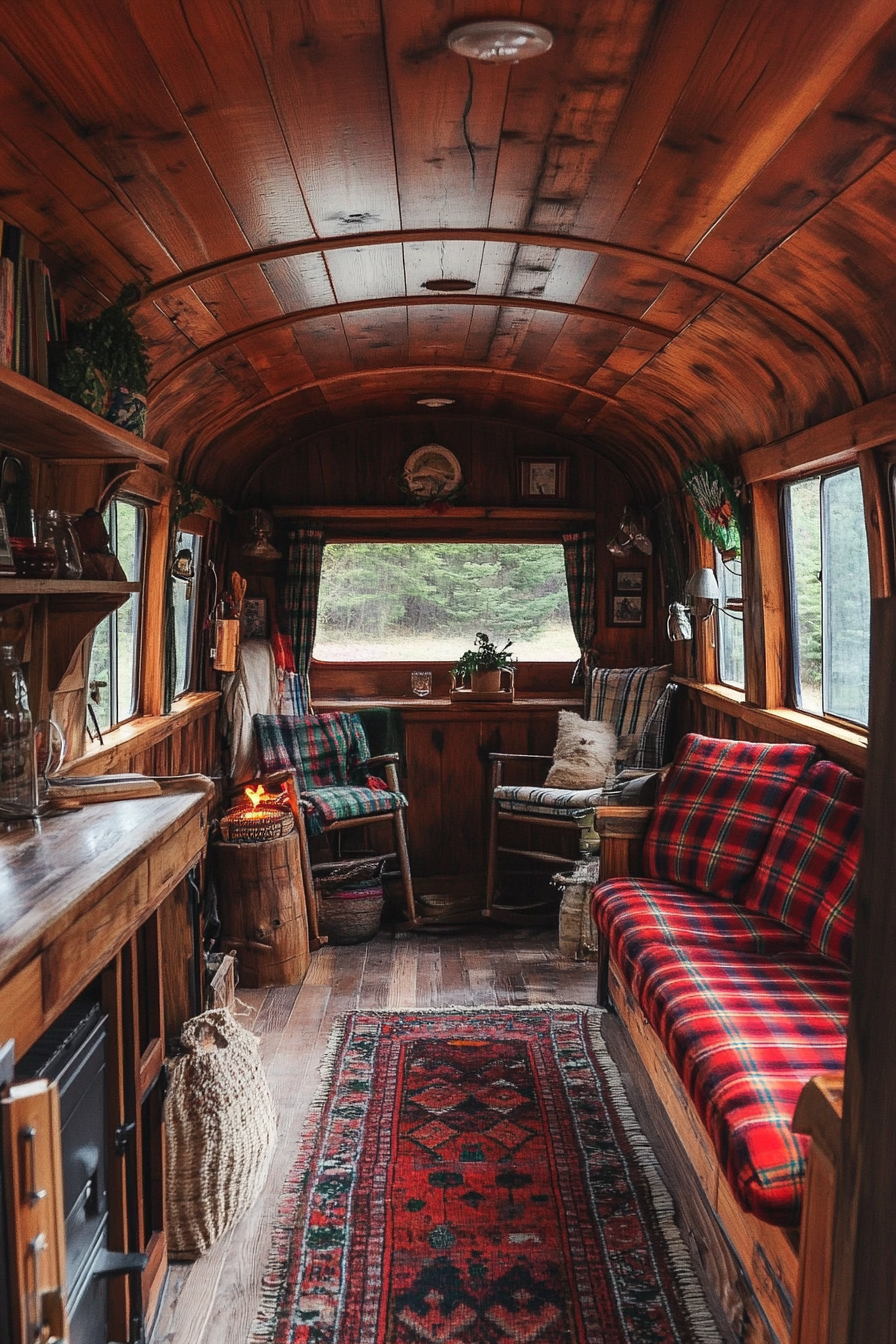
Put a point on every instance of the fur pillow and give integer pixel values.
(585, 754)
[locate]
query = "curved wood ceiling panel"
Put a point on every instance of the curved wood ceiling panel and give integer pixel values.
(678, 222)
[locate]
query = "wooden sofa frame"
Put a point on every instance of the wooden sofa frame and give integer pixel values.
(769, 1256)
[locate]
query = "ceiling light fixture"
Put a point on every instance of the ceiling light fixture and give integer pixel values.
(500, 40)
(449, 286)
(435, 403)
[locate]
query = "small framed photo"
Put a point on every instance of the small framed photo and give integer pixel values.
(543, 479)
(7, 564)
(255, 618)
(630, 580)
(627, 609)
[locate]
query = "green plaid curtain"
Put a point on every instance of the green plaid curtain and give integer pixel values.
(581, 585)
(299, 604)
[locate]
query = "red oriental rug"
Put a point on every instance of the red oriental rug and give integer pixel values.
(477, 1177)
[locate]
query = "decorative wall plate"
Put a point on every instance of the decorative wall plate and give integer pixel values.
(431, 473)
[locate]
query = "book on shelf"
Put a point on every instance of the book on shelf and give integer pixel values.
(30, 317)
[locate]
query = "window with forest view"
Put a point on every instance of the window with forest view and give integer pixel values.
(730, 622)
(401, 601)
(113, 676)
(830, 594)
(186, 597)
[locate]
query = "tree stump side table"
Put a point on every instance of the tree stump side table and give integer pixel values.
(261, 900)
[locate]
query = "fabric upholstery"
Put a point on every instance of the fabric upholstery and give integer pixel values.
(745, 1033)
(626, 696)
(716, 810)
(530, 800)
(327, 753)
(806, 877)
(650, 751)
(633, 913)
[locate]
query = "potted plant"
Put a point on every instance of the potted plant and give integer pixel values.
(104, 365)
(484, 664)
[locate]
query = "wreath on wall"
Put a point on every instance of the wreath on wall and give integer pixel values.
(716, 502)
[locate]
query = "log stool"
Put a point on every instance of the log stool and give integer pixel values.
(261, 899)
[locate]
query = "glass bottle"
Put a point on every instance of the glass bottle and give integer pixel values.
(18, 769)
(54, 529)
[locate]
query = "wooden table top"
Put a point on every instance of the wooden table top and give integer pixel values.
(53, 869)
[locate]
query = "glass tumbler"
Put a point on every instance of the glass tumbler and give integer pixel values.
(421, 683)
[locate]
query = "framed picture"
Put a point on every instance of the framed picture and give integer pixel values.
(631, 580)
(627, 609)
(543, 479)
(255, 618)
(7, 564)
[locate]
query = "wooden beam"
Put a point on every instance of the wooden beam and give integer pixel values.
(863, 1293)
(767, 580)
(834, 443)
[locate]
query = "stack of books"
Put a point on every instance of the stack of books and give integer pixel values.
(30, 316)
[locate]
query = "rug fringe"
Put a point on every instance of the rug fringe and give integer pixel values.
(692, 1293)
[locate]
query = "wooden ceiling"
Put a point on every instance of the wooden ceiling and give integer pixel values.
(679, 221)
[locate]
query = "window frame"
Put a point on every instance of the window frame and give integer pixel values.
(790, 600)
(140, 631)
(192, 641)
(719, 616)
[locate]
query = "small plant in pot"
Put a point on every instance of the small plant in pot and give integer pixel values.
(484, 664)
(104, 365)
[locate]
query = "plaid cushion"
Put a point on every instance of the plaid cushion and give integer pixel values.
(323, 749)
(347, 804)
(650, 752)
(626, 696)
(716, 809)
(745, 1033)
(806, 877)
(632, 914)
(533, 801)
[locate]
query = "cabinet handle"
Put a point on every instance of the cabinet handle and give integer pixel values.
(33, 1195)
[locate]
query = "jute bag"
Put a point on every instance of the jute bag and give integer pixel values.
(221, 1128)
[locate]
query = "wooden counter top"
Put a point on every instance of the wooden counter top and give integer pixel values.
(54, 870)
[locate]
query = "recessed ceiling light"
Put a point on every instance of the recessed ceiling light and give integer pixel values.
(435, 403)
(449, 286)
(500, 40)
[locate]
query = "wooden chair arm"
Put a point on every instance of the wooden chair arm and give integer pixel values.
(621, 831)
(387, 756)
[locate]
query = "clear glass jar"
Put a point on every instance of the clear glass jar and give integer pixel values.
(54, 529)
(18, 767)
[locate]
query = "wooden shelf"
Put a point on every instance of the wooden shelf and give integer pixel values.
(73, 607)
(10, 587)
(41, 423)
(409, 512)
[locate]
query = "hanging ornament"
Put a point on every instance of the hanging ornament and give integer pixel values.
(715, 500)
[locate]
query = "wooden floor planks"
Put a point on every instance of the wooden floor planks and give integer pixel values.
(214, 1301)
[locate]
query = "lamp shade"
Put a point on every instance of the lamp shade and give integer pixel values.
(704, 584)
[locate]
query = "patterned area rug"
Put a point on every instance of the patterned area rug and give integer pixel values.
(476, 1177)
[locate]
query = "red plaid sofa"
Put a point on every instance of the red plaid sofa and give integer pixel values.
(736, 945)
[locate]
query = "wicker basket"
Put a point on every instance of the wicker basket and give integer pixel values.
(351, 900)
(221, 1128)
(256, 825)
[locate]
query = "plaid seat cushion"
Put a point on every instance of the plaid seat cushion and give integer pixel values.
(626, 696)
(323, 749)
(716, 809)
(806, 877)
(347, 803)
(529, 800)
(745, 1033)
(633, 913)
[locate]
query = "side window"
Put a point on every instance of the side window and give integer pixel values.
(731, 622)
(114, 676)
(185, 605)
(830, 594)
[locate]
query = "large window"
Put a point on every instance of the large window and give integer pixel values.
(185, 605)
(830, 594)
(113, 677)
(390, 601)
(731, 622)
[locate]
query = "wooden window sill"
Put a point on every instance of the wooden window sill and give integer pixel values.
(846, 745)
(140, 733)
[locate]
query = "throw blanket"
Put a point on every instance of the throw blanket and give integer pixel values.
(251, 689)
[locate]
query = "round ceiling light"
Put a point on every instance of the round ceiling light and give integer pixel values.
(435, 403)
(449, 286)
(500, 40)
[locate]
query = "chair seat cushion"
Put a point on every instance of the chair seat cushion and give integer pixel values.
(530, 800)
(633, 913)
(347, 803)
(745, 1033)
(716, 809)
(807, 875)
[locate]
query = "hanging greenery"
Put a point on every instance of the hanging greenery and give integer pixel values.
(718, 511)
(104, 364)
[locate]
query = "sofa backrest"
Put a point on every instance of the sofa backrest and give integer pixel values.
(716, 810)
(806, 877)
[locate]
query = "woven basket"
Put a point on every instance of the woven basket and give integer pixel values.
(221, 1128)
(351, 899)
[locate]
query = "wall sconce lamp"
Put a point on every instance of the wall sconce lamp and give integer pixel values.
(703, 588)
